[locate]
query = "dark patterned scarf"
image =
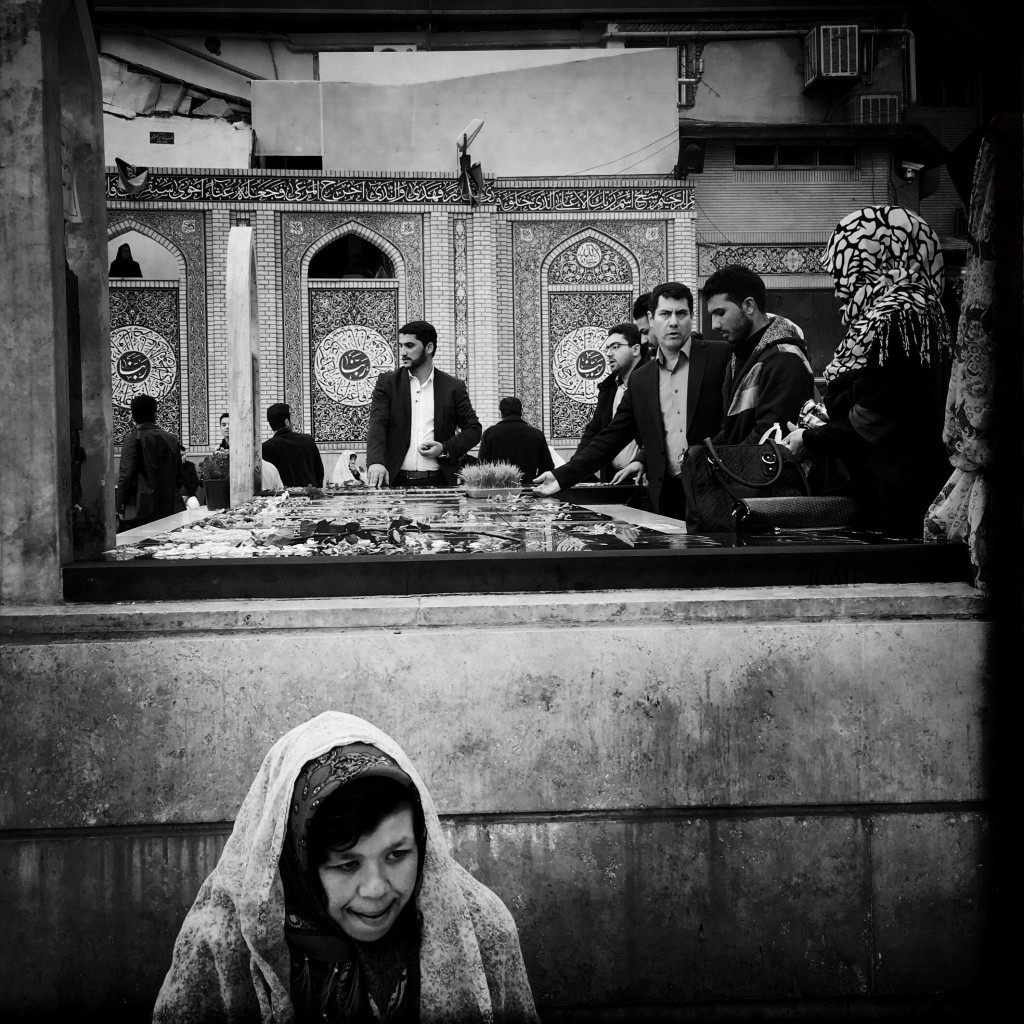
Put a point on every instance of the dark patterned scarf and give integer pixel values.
(888, 269)
(334, 978)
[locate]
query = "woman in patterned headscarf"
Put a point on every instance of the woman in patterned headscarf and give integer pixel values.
(336, 899)
(880, 418)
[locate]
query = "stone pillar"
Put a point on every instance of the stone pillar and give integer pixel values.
(243, 318)
(81, 95)
(35, 472)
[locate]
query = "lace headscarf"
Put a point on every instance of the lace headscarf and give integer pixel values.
(888, 268)
(233, 957)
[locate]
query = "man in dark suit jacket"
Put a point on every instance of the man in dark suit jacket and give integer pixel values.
(626, 351)
(150, 473)
(673, 401)
(295, 456)
(421, 420)
(513, 440)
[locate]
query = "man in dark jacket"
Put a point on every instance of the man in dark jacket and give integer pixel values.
(673, 401)
(295, 456)
(513, 440)
(150, 473)
(769, 376)
(421, 419)
(625, 349)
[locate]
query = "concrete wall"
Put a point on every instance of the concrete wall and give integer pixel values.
(685, 800)
(198, 141)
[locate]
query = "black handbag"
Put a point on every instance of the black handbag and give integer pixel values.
(774, 515)
(714, 478)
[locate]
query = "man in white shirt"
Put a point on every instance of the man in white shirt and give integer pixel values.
(421, 419)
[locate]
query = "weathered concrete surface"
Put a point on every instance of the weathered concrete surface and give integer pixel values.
(171, 727)
(35, 477)
(769, 798)
(612, 911)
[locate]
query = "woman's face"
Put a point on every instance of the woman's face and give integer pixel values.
(368, 885)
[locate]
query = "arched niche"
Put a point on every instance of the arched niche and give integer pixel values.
(350, 257)
(156, 260)
(589, 281)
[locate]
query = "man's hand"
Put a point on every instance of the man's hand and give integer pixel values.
(630, 472)
(794, 440)
(377, 475)
(546, 484)
(431, 449)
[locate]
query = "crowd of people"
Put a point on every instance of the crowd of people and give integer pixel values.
(870, 436)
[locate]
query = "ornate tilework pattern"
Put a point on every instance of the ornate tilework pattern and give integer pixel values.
(353, 339)
(301, 232)
(461, 299)
(762, 259)
(590, 262)
(578, 326)
(533, 243)
(233, 188)
(144, 355)
(186, 229)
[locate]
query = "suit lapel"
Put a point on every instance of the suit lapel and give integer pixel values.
(698, 360)
(439, 405)
(403, 401)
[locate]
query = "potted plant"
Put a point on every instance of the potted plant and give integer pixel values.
(486, 479)
(215, 473)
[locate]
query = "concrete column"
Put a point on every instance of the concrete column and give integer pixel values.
(484, 357)
(82, 107)
(35, 473)
(244, 363)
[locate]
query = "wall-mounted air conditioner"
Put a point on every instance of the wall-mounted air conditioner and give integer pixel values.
(876, 108)
(831, 52)
(396, 48)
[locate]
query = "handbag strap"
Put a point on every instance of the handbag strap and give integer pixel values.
(718, 464)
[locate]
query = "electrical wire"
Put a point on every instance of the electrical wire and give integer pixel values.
(674, 132)
(725, 237)
(643, 158)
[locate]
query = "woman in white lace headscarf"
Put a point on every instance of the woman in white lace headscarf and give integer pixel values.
(880, 422)
(296, 923)
(346, 471)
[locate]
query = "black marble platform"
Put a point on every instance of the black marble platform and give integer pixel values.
(546, 546)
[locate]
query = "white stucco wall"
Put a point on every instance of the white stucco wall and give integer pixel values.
(571, 115)
(198, 142)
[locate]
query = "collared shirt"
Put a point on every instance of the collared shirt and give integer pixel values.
(628, 454)
(672, 385)
(421, 427)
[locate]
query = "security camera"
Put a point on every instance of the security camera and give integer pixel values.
(910, 170)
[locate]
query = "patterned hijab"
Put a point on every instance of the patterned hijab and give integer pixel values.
(888, 269)
(335, 978)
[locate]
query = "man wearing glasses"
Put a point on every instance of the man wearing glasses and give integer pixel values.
(625, 350)
(673, 401)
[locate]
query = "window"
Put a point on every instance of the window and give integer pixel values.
(796, 154)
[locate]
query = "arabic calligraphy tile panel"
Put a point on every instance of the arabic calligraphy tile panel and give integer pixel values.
(298, 232)
(762, 259)
(532, 242)
(578, 324)
(145, 355)
(406, 191)
(353, 338)
(186, 229)
(590, 262)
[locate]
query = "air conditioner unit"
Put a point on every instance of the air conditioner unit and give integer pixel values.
(396, 48)
(876, 108)
(831, 52)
